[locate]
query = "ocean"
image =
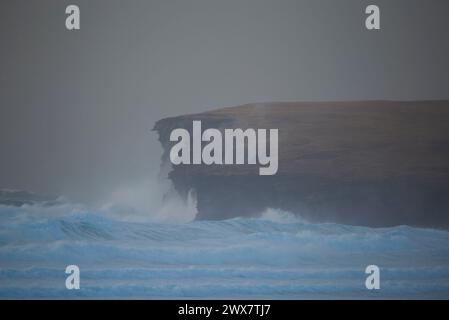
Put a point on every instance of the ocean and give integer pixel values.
(276, 256)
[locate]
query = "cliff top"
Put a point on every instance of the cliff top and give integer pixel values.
(358, 139)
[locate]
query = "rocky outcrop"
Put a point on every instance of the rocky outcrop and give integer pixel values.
(375, 163)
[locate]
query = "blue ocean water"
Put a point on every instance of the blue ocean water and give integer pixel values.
(276, 256)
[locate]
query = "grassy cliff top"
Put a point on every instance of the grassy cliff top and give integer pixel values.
(354, 140)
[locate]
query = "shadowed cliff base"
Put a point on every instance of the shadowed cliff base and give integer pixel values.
(373, 163)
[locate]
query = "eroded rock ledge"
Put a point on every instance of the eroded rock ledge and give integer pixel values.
(374, 163)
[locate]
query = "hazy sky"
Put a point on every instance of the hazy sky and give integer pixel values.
(76, 107)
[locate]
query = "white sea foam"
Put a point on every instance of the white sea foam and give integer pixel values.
(275, 256)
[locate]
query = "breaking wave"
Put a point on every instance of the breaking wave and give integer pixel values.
(274, 256)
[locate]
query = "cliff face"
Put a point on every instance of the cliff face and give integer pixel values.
(375, 163)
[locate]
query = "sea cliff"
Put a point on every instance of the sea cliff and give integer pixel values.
(373, 163)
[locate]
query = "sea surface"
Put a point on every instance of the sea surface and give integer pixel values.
(276, 256)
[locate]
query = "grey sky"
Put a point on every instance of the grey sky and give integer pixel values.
(76, 108)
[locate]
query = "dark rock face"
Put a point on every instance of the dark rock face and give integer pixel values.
(376, 163)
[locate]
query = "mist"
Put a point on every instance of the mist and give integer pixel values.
(77, 108)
